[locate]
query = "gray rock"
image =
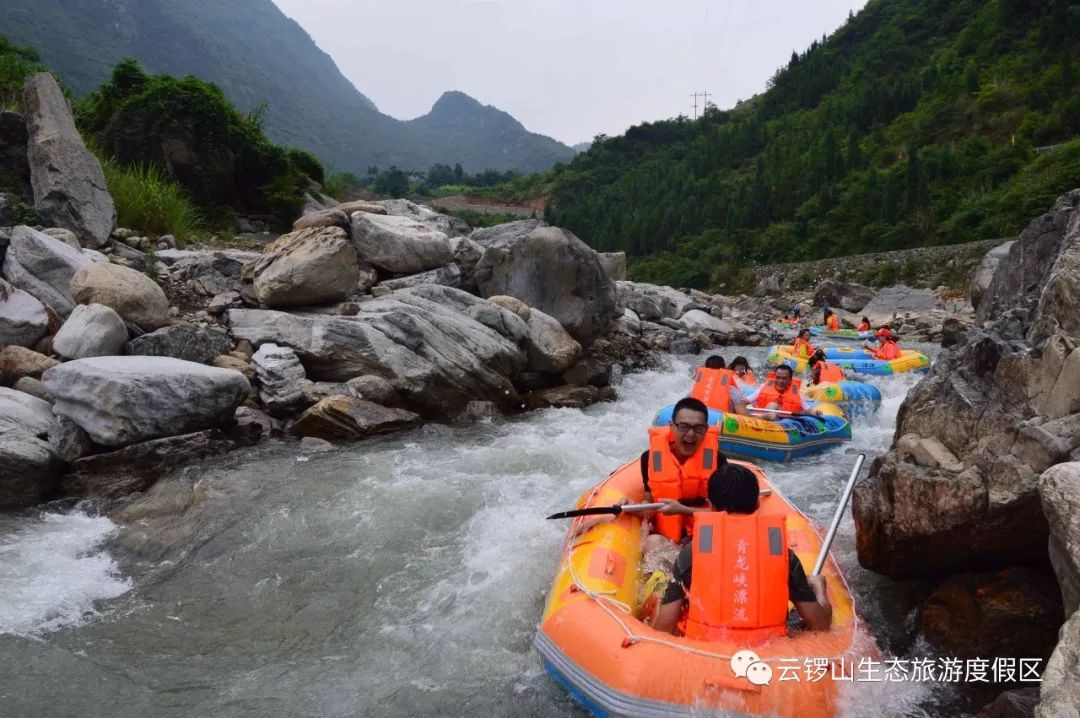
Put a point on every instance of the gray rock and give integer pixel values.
(43, 266)
(182, 341)
(367, 277)
(846, 296)
(23, 319)
(515, 305)
(92, 330)
(684, 346)
(21, 413)
(64, 235)
(448, 225)
(590, 372)
(69, 185)
(568, 397)
(1060, 691)
(550, 348)
(651, 302)
(614, 263)
(322, 218)
(376, 389)
(68, 441)
(135, 257)
(378, 291)
(313, 445)
(1059, 491)
(223, 301)
(266, 424)
(448, 275)
(31, 471)
(1017, 703)
(347, 417)
(629, 324)
(696, 320)
(123, 400)
(437, 357)
(508, 231)
(552, 270)
(281, 379)
(17, 362)
(33, 387)
(309, 266)
(466, 256)
(131, 294)
(984, 273)
(399, 245)
(893, 301)
(360, 206)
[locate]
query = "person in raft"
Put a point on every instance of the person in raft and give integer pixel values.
(676, 467)
(802, 347)
(779, 393)
(865, 325)
(888, 349)
(795, 311)
(716, 386)
(743, 375)
(750, 561)
(822, 371)
(832, 322)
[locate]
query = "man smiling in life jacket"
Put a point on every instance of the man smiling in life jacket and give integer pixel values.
(780, 392)
(822, 371)
(738, 574)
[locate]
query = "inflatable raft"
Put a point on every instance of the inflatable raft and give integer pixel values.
(854, 397)
(592, 642)
(855, 359)
(789, 438)
(850, 334)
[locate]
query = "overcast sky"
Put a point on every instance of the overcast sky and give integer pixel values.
(566, 68)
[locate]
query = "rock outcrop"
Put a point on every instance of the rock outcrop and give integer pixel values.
(984, 273)
(69, 185)
(551, 270)
(652, 303)
(122, 400)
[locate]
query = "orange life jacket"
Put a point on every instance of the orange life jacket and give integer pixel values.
(788, 401)
(802, 348)
(668, 479)
(713, 387)
(828, 372)
(887, 351)
(739, 585)
(747, 379)
(864, 327)
(833, 323)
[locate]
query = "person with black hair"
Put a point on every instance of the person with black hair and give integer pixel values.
(716, 386)
(741, 366)
(734, 490)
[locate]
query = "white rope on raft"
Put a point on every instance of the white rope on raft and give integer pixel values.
(602, 598)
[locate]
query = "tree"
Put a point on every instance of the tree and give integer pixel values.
(459, 174)
(392, 183)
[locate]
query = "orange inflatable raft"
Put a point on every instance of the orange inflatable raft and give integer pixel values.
(592, 643)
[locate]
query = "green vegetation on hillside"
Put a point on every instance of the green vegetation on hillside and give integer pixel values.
(16, 64)
(189, 132)
(919, 122)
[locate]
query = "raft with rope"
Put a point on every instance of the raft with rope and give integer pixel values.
(789, 438)
(855, 359)
(849, 334)
(593, 641)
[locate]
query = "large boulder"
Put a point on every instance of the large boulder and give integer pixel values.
(550, 347)
(23, 319)
(1059, 694)
(899, 300)
(1059, 490)
(849, 297)
(133, 295)
(552, 270)
(348, 417)
(399, 245)
(984, 273)
(69, 185)
(21, 413)
(999, 410)
(182, 341)
(448, 225)
(17, 362)
(508, 231)
(305, 267)
(322, 218)
(651, 302)
(448, 275)
(614, 263)
(92, 330)
(123, 400)
(31, 471)
(43, 266)
(425, 341)
(281, 379)
(718, 329)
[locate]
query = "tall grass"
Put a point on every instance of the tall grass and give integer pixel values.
(147, 202)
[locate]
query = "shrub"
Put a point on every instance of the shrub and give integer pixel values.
(146, 201)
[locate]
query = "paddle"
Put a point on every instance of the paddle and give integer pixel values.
(796, 414)
(618, 509)
(831, 534)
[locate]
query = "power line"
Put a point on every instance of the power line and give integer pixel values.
(696, 95)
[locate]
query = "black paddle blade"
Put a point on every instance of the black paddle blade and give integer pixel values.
(594, 511)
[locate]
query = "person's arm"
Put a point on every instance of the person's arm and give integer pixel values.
(673, 507)
(738, 400)
(671, 605)
(667, 618)
(810, 596)
(645, 476)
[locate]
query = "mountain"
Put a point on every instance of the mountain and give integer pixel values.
(918, 122)
(581, 146)
(257, 55)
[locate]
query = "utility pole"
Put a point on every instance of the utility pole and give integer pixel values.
(696, 95)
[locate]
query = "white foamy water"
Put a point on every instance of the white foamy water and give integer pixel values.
(53, 572)
(396, 577)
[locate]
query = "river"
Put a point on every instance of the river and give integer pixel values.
(402, 576)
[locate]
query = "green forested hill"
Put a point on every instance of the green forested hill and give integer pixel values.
(257, 55)
(919, 122)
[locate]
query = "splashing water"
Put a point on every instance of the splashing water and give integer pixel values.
(400, 576)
